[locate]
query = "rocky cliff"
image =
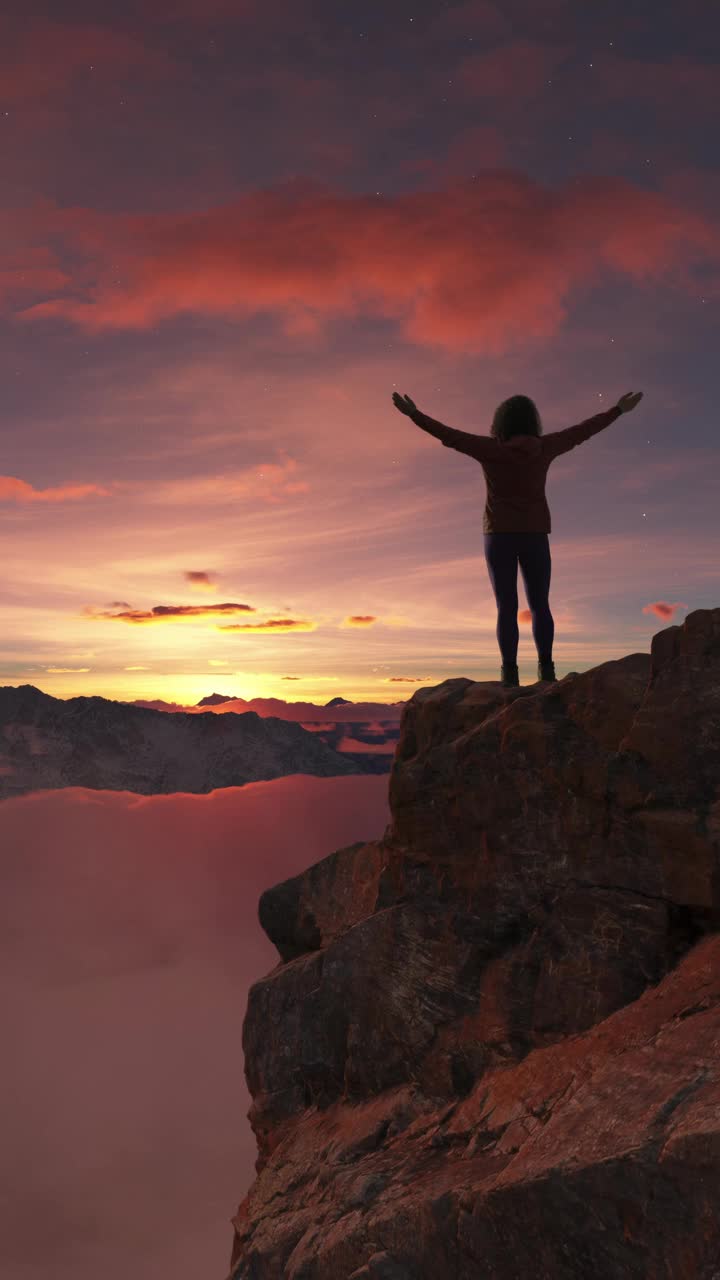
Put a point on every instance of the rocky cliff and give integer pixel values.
(490, 1047)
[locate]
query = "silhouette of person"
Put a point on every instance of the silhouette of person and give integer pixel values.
(516, 522)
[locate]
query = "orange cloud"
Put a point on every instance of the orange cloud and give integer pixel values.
(518, 249)
(662, 609)
(273, 624)
(408, 679)
(168, 612)
(14, 490)
(524, 615)
(359, 620)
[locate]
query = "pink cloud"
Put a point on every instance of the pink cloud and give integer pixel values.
(14, 490)
(663, 610)
(480, 265)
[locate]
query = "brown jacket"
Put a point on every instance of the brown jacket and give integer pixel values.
(515, 469)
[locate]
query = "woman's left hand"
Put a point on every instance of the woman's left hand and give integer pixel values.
(404, 404)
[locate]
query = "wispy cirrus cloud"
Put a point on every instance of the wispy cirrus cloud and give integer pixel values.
(272, 624)
(67, 670)
(12, 489)
(407, 679)
(270, 482)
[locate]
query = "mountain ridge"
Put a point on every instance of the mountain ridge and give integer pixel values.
(95, 742)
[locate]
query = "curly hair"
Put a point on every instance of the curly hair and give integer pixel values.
(517, 416)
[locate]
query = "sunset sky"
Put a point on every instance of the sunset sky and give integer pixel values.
(230, 230)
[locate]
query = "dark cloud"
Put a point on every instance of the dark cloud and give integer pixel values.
(167, 612)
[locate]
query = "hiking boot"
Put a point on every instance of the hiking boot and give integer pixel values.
(509, 675)
(546, 671)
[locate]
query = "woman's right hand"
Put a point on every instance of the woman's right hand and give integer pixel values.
(629, 400)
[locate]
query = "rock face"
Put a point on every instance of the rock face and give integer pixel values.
(490, 1047)
(48, 742)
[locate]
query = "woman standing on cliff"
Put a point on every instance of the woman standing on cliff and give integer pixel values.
(515, 458)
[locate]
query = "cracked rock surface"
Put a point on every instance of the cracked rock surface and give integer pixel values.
(490, 1045)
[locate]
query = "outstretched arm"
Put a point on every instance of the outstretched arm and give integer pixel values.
(558, 442)
(480, 447)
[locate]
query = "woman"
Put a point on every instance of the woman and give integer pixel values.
(515, 458)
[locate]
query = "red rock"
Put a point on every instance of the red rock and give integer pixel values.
(491, 1045)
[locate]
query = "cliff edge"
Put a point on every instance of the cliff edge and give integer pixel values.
(490, 1046)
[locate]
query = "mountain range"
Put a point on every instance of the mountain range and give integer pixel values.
(48, 742)
(349, 727)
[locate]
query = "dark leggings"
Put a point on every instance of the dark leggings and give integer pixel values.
(502, 553)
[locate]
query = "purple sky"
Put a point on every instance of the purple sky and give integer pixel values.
(231, 230)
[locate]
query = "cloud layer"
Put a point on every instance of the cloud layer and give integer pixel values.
(484, 265)
(129, 939)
